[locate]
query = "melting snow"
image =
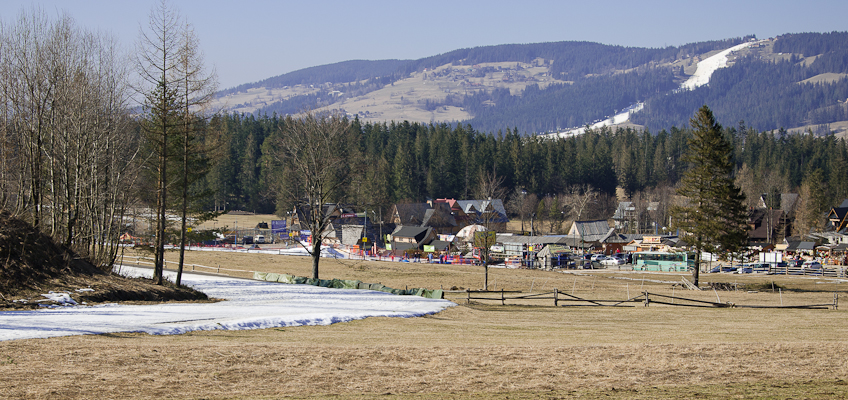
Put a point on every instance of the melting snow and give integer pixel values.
(248, 304)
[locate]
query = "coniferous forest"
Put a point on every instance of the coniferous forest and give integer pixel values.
(411, 162)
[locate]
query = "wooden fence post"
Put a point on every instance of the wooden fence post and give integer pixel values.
(556, 298)
(647, 299)
(503, 301)
(468, 292)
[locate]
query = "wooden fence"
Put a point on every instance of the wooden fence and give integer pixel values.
(836, 272)
(646, 298)
(194, 267)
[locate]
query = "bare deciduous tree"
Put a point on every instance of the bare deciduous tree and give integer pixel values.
(67, 161)
(312, 151)
(578, 198)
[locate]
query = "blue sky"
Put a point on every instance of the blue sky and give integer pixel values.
(250, 40)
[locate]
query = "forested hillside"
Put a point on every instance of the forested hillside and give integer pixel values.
(342, 72)
(768, 94)
(400, 162)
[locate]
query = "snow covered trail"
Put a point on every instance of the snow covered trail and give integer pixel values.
(249, 305)
(709, 65)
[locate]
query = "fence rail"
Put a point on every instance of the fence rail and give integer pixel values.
(194, 267)
(646, 298)
(828, 272)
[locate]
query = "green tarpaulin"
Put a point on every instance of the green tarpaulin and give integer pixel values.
(345, 284)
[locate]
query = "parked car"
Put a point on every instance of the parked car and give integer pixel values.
(759, 268)
(612, 261)
(722, 268)
(259, 239)
(811, 265)
(247, 240)
(598, 257)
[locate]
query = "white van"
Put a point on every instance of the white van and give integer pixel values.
(259, 239)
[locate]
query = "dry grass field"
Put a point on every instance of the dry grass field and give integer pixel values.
(240, 221)
(481, 350)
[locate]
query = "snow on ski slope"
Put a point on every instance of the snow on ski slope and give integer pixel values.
(709, 65)
(702, 75)
(248, 304)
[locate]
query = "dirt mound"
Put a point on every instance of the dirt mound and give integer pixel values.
(32, 264)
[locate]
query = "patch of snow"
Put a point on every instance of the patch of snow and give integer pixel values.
(63, 298)
(619, 118)
(248, 304)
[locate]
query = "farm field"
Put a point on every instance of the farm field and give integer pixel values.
(528, 349)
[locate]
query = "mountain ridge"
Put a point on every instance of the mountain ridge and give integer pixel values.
(545, 87)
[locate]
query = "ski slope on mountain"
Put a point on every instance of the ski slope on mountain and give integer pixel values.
(701, 77)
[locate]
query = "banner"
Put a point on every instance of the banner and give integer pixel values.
(429, 249)
(278, 226)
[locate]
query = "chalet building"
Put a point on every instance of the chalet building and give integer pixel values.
(661, 243)
(771, 221)
(411, 238)
(767, 226)
(489, 213)
(437, 216)
(624, 216)
(449, 216)
(591, 231)
(838, 217)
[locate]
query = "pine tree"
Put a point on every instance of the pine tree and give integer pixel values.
(715, 217)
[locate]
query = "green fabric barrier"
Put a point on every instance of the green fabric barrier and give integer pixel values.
(349, 284)
(345, 284)
(272, 277)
